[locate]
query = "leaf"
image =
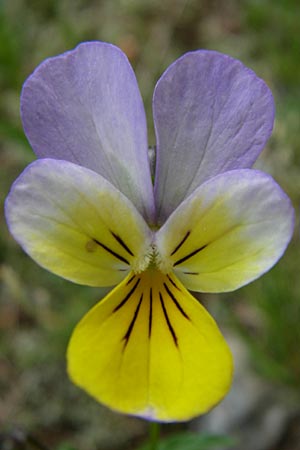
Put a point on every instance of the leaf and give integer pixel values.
(65, 446)
(193, 441)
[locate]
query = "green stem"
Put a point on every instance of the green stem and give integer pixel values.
(154, 435)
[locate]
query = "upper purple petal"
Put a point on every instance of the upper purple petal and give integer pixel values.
(211, 114)
(85, 107)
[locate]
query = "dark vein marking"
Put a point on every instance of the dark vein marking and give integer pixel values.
(173, 282)
(191, 273)
(109, 250)
(150, 315)
(181, 260)
(171, 295)
(127, 296)
(180, 243)
(122, 243)
(130, 280)
(171, 329)
(130, 328)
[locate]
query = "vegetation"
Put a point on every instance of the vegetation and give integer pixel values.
(37, 309)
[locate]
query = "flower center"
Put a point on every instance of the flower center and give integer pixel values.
(151, 260)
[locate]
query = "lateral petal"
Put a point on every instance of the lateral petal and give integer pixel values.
(76, 224)
(230, 231)
(85, 107)
(211, 115)
(151, 350)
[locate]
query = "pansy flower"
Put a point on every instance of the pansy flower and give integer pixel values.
(88, 210)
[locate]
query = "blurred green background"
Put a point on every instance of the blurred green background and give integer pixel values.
(39, 407)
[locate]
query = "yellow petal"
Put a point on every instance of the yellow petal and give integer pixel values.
(75, 223)
(230, 231)
(150, 349)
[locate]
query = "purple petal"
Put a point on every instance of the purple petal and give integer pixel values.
(211, 115)
(85, 107)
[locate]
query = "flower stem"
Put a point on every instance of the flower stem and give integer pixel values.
(154, 435)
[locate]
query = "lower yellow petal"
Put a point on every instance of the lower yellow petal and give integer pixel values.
(150, 349)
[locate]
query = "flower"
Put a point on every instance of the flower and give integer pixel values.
(87, 211)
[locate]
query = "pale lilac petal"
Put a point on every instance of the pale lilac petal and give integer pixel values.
(231, 230)
(211, 115)
(85, 107)
(75, 223)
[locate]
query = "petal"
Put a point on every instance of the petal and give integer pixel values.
(211, 115)
(230, 231)
(150, 349)
(74, 223)
(85, 107)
